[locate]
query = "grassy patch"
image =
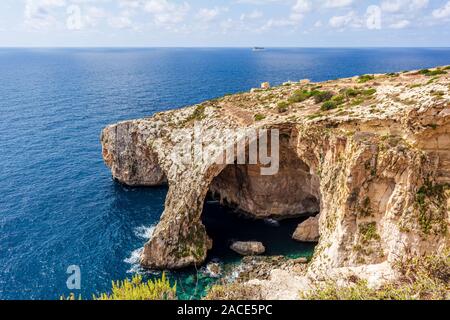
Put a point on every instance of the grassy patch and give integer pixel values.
(368, 232)
(198, 114)
(438, 94)
(259, 117)
(365, 78)
(303, 95)
(369, 92)
(431, 204)
(283, 107)
(393, 74)
(329, 105)
(314, 116)
(432, 73)
(339, 99)
(300, 96)
(357, 102)
(421, 278)
(323, 96)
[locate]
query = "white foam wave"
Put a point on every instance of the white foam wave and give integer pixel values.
(144, 232)
(134, 260)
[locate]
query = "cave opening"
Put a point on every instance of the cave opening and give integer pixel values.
(243, 205)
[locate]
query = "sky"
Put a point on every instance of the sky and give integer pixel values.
(233, 23)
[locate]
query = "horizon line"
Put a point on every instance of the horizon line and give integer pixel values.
(224, 47)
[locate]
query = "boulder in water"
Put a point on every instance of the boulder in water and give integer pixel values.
(308, 231)
(250, 248)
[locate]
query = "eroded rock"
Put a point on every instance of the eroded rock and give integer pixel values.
(249, 248)
(308, 231)
(377, 168)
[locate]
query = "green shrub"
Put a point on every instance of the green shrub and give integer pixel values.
(259, 117)
(429, 73)
(447, 68)
(357, 102)
(303, 95)
(328, 105)
(198, 114)
(368, 231)
(351, 93)
(365, 78)
(323, 96)
(300, 96)
(339, 99)
(393, 74)
(136, 289)
(369, 92)
(283, 107)
(430, 202)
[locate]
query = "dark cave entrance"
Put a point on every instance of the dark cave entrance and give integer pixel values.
(243, 205)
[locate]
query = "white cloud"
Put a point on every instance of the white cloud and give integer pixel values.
(395, 6)
(443, 12)
(120, 22)
(373, 17)
(258, 2)
(39, 14)
(338, 3)
(256, 14)
(400, 24)
(209, 14)
(165, 12)
(419, 4)
(302, 6)
(318, 24)
(340, 22)
(392, 6)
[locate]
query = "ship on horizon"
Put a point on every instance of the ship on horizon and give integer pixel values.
(259, 48)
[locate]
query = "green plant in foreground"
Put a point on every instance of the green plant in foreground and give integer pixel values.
(136, 289)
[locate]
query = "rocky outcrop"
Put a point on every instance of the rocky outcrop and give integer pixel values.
(374, 160)
(249, 248)
(243, 187)
(308, 231)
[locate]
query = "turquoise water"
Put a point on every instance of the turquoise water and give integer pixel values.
(58, 203)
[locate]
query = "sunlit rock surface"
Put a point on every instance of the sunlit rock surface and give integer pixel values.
(374, 160)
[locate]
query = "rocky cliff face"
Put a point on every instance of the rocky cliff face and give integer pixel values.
(372, 154)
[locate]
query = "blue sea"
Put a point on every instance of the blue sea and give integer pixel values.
(58, 203)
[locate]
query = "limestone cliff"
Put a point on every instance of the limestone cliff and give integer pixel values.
(371, 153)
